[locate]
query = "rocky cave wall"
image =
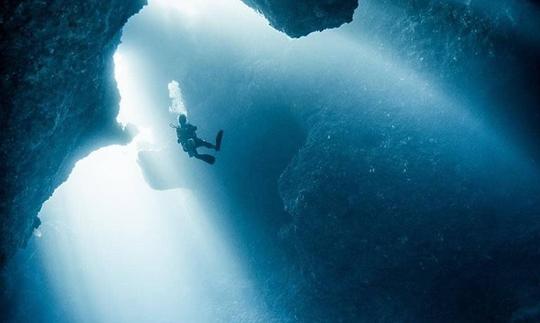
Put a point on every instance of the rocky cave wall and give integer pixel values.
(59, 100)
(413, 223)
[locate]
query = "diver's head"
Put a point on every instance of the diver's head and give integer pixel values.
(182, 119)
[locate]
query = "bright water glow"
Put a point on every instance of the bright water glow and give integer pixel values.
(118, 251)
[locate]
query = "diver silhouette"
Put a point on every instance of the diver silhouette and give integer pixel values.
(186, 134)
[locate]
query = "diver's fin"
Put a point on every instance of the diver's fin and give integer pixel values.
(207, 158)
(219, 137)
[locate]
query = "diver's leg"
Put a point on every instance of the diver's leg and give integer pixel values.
(219, 137)
(204, 157)
(201, 143)
(191, 149)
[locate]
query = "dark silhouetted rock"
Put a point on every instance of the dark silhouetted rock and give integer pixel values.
(299, 18)
(58, 100)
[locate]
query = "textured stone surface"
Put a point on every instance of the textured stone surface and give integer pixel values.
(58, 99)
(299, 18)
(413, 223)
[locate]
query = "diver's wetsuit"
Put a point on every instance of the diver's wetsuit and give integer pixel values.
(187, 137)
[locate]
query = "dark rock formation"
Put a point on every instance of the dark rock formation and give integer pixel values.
(411, 223)
(299, 18)
(59, 100)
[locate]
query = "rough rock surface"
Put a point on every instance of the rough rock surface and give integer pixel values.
(58, 100)
(299, 18)
(414, 223)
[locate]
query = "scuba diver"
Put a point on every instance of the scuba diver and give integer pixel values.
(187, 137)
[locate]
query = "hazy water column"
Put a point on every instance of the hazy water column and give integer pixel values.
(117, 251)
